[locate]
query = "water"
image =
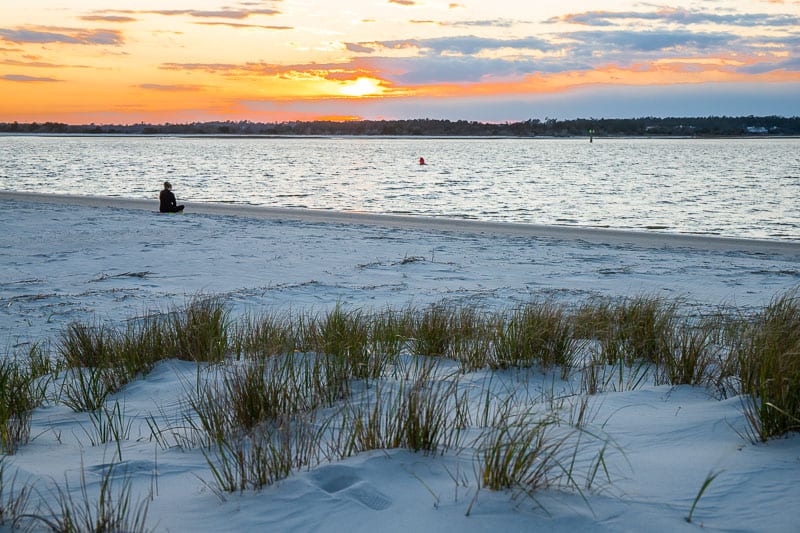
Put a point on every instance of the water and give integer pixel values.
(732, 187)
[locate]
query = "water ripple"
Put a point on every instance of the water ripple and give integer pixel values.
(733, 187)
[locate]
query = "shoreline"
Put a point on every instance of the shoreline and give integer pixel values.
(394, 136)
(562, 233)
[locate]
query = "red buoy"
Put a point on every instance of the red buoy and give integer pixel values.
(421, 160)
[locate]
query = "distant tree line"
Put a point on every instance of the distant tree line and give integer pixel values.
(602, 127)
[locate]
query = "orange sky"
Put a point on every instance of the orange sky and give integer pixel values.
(180, 61)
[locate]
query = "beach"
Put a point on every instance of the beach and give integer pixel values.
(76, 258)
(98, 259)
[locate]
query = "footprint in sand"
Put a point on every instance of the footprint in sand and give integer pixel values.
(343, 481)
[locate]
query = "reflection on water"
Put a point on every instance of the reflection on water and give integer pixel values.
(733, 187)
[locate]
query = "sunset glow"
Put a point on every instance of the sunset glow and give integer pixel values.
(362, 87)
(276, 60)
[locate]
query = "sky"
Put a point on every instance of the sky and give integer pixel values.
(157, 61)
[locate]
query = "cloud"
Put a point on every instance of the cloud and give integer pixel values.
(603, 42)
(62, 35)
(235, 14)
(225, 68)
(471, 59)
(601, 102)
(759, 54)
(346, 70)
(679, 16)
(792, 64)
(489, 23)
(170, 88)
(403, 2)
(466, 45)
(37, 64)
(404, 71)
(27, 79)
(359, 48)
(107, 18)
(459, 59)
(237, 25)
(436, 70)
(581, 50)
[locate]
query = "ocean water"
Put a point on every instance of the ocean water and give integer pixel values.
(732, 187)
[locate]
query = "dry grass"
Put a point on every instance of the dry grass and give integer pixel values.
(768, 357)
(282, 392)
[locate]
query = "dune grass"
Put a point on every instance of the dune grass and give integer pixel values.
(420, 414)
(280, 392)
(21, 391)
(15, 499)
(695, 357)
(767, 351)
(616, 346)
(516, 452)
(535, 334)
(100, 359)
(112, 510)
(23, 506)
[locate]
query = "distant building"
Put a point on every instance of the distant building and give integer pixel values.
(756, 130)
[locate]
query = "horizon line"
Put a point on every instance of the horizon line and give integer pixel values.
(341, 120)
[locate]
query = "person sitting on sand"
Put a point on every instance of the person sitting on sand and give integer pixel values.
(168, 202)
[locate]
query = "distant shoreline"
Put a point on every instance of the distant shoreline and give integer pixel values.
(256, 136)
(644, 239)
(711, 126)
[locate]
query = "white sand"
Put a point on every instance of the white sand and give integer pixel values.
(87, 258)
(95, 259)
(567, 233)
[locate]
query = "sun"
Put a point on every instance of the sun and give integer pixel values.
(362, 87)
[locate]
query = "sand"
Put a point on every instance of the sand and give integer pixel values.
(652, 239)
(106, 259)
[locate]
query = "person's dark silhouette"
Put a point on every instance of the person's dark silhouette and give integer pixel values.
(167, 199)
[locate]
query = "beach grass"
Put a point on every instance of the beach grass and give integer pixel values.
(15, 499)
(516, 452)
(275, 393)
(706, 483)
(200, 330)
(109, 424)
(112, 509)
(694, 357)
(535, 334)
(22, 389)
(767, 351)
